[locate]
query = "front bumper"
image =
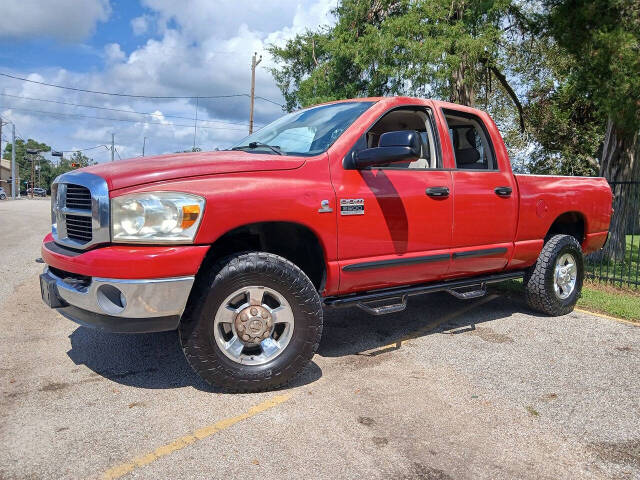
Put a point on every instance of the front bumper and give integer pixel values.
(117, 305)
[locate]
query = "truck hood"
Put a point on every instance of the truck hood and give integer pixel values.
(141, 170)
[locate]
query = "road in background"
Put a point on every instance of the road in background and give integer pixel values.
(445, 390)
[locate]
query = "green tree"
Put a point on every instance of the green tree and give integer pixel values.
(24, 160)
(47, 170)
(451, 49)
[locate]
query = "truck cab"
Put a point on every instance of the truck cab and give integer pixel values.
(361, 202)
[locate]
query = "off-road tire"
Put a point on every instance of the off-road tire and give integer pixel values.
(539, 278)
(227, 275)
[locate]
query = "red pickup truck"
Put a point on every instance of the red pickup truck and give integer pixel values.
(361, 202)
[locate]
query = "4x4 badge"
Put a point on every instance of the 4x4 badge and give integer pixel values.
(352, 206)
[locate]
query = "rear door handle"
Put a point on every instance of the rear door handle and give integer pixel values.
(437, 191)
(503, 191)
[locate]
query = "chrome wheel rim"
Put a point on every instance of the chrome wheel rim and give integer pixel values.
(253, 325)
(566, 272)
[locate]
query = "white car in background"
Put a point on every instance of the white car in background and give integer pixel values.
(3, 195)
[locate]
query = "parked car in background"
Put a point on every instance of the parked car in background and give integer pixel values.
(38, 192)
(356, 203)
(3, 194)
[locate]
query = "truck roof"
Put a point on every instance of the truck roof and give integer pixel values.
(404, 100)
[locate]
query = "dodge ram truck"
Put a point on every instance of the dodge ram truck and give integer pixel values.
(357, 203)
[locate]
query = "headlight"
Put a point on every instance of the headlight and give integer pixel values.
(156, 217)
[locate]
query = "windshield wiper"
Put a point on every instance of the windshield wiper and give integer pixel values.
(254, 145)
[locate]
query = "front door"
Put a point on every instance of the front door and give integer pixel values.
(394, 222)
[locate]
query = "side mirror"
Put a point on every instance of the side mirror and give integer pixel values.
(398, 146)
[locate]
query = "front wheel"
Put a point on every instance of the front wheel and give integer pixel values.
(253, 324)
(554, 283)
(3, 196)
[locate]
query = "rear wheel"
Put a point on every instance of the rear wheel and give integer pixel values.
(3, 196)
(253, 324)
(554, 283)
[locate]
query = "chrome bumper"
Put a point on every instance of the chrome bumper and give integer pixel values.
(126, 299)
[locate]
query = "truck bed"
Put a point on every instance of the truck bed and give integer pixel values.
(544, 198)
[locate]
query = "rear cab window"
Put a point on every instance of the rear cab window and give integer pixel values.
(472, 147)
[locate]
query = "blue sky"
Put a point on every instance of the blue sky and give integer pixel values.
(46, 52)
(146, 47)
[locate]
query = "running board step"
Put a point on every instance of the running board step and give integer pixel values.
(469, 294)
(364, 300)
(384, 309)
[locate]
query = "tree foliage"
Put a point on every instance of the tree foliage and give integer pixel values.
(440, 48)
(603, 39)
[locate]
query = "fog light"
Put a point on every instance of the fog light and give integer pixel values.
(111, 299)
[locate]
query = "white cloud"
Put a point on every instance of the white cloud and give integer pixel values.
(113, 53)
(203, 49)
(140, 25)
(65, 20)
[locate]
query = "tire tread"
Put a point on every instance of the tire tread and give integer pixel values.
(538, 294)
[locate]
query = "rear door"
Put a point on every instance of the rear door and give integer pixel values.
(485, 198)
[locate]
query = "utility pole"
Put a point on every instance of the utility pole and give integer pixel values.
(195, 126)
(254, 64)
(13, 164)
(113, 145)
(144, 142)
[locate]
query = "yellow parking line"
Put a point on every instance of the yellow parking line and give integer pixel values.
(178, 444)
(602, 315)
(427, 328)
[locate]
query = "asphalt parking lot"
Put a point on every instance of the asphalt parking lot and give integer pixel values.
(448, 389)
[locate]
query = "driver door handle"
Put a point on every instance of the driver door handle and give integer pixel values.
(503, 191)
(437, 192)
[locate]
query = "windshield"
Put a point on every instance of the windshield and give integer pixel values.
(306, 132)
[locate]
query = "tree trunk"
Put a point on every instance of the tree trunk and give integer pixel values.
(621, 163)
(462, 88)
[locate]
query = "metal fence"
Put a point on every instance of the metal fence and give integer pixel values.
(618, 263)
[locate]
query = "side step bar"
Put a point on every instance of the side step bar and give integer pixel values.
(377, 296)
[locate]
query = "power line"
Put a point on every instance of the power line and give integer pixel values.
(79, 115)
(83, 149)
(118, 109)
(267, 100)
(97, 92)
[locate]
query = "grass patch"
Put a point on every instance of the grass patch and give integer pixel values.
(596, 298)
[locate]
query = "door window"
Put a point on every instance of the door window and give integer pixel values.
(470, 142)
(408, 119)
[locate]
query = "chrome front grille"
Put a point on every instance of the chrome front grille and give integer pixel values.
(80, 210)
(78, 197)
(79, 228)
